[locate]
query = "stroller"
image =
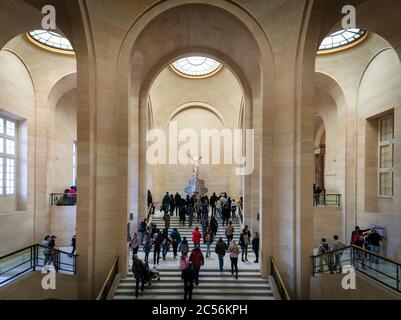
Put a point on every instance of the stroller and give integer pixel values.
(151, 274)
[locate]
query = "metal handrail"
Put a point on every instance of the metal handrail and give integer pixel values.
(34, 261)
(104, 291)
(56, 197)
(362, 249)
(326, 199)
(355, 260)
(285, 295)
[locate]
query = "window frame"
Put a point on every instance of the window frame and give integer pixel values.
(381, 170)
(5, 156)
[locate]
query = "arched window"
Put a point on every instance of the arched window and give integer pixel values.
(342, 39)
(51, 39)
(196, 67)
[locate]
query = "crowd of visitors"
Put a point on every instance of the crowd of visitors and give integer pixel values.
(368, 239)
(207, 212)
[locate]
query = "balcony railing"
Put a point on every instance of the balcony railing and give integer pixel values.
(63, 199)
(34, 258)
(327, 200)
(381, 269)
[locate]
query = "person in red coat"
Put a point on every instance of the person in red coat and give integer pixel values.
(196, 237)
(197, 260)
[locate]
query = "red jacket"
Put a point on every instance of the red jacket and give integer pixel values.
(196, 236)
(196, 258)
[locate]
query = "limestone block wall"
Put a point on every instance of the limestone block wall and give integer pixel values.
(65, 135)
(211, 103)
(63, 221)
(369, 76)
(327, 222)
(27, 75)
(17, 99)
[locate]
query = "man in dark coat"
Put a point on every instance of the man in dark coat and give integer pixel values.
(188, 276)
(213, 200)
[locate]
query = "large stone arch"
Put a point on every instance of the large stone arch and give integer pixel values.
(138, 68)
(199, 104)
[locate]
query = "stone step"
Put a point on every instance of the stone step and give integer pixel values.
(205, 285)
(198, 289)
(208, 280)
(219, 277)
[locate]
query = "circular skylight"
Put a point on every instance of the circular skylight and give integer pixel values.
(196, 66)
(51, 39)
(341, 39)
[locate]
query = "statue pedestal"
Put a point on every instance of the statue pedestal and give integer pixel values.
(195, 186)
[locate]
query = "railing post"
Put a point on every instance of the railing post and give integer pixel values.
(33, 258)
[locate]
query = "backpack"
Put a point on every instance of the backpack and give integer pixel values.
(158, 239)
(207, 237)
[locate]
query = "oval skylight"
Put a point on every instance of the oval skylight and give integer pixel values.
(51, 39)
(342, 38)
(196, 66)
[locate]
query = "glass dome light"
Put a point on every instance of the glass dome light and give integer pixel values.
(196, 66)
(341, 39)
(51, 39)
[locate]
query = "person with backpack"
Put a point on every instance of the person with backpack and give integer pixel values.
(233, 250)
(244, 242)
(134, 244)
(374, 239)
(336, 247)
(147, 247)
(184, 246)
(188, 275)
(166, 219)
(196, 237)
(229, 233)
(142, 230)
(138, 269)
(157, 242)
(176, 239)
(208, 238)
(220, 249)
(324, 258)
